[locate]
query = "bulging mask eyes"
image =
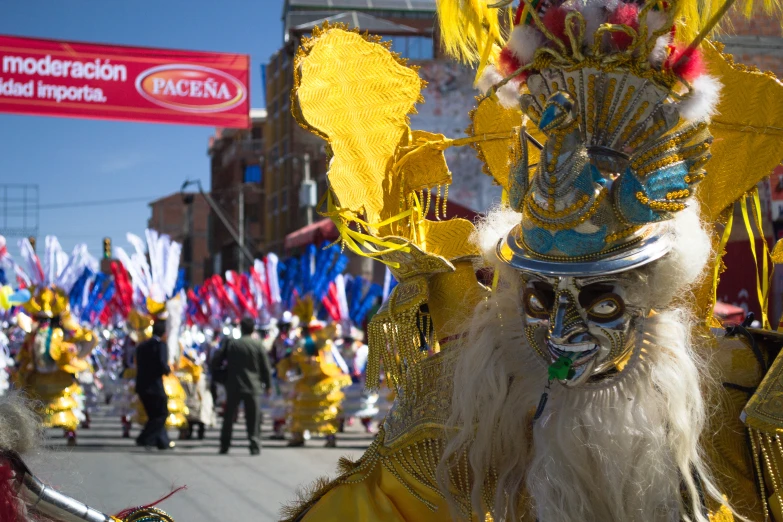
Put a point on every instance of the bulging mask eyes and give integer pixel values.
(606, 308)
(535, 303)
(538, 301)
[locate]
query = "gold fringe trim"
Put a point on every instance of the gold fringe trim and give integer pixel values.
(395, 340)
(768, 459)
(306, 497)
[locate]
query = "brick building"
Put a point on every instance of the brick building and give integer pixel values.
(758, 41)
(184, 217)
(237, 167)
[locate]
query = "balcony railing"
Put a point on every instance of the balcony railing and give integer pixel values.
(254, 147)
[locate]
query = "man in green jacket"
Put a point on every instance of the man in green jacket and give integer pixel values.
(247, 377)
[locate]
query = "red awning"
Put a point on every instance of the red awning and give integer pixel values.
(315, 233)
(728, 313)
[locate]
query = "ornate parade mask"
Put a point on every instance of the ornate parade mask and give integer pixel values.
(583, 327)
(623, 154)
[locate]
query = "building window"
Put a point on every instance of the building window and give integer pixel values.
(284, 200)
(414, 47)
(273, 204)
(252, 174)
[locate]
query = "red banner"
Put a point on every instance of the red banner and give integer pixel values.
(80, 80)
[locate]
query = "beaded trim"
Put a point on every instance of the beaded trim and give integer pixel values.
(588, 257)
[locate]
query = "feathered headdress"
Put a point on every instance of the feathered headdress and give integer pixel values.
(621, 93)
(52, 280)
(154, 281)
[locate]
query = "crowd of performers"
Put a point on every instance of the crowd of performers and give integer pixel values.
(69, 330)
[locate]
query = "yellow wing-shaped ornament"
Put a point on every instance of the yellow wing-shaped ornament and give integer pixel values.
(352, 91)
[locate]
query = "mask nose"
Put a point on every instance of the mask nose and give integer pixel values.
(566, 324)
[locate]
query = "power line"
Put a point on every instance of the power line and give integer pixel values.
(96, 203)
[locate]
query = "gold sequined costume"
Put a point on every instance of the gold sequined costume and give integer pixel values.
(318, 380)
(47, 365)
(54, 351)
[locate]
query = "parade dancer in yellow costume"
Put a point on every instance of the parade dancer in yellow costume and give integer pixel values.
(201, 409)
(154, 296)
(318, 386)
(56, 346)
(583, 383)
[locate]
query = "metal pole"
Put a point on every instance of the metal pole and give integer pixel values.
(241, 232)
(308, 209)
(221, 216)
(188, 236)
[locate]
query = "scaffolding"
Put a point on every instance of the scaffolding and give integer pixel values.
(19, 210)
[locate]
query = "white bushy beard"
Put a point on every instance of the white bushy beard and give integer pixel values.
(617, 450)
(620, 451)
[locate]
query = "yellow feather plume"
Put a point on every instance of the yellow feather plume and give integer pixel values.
(696, 16)
(471, 30)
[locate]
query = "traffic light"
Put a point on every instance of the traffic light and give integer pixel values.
(107, 248)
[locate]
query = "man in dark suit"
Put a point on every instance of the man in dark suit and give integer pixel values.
(151, 365)
(247, 377)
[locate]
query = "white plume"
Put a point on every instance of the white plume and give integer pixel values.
(492, 228)
(524, 41)
(656, 20)
(507, 95)
(661, 50)
(701, 103)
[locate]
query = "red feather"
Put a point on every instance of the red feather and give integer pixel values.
(554, 20)
(508, 62)
(518, 13)
(9, 506)
(124, 513)
(690, 68)
(625, 14)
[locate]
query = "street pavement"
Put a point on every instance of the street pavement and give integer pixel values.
(110, 473)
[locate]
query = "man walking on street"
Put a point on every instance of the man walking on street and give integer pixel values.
(151, 365)
(247, 370)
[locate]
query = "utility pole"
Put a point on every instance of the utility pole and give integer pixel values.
(187, 236)
(222, 217)
(307, 192)
(241, 231)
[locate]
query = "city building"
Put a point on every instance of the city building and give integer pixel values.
(237, 168)
(183, 216)
(757, 42)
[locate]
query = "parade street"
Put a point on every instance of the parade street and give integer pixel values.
(109, 472)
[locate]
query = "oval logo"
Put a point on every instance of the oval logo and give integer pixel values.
(190, 88)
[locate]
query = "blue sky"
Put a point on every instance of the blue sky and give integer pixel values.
(83, 160)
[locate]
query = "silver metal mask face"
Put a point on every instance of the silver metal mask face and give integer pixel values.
(582, 325)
